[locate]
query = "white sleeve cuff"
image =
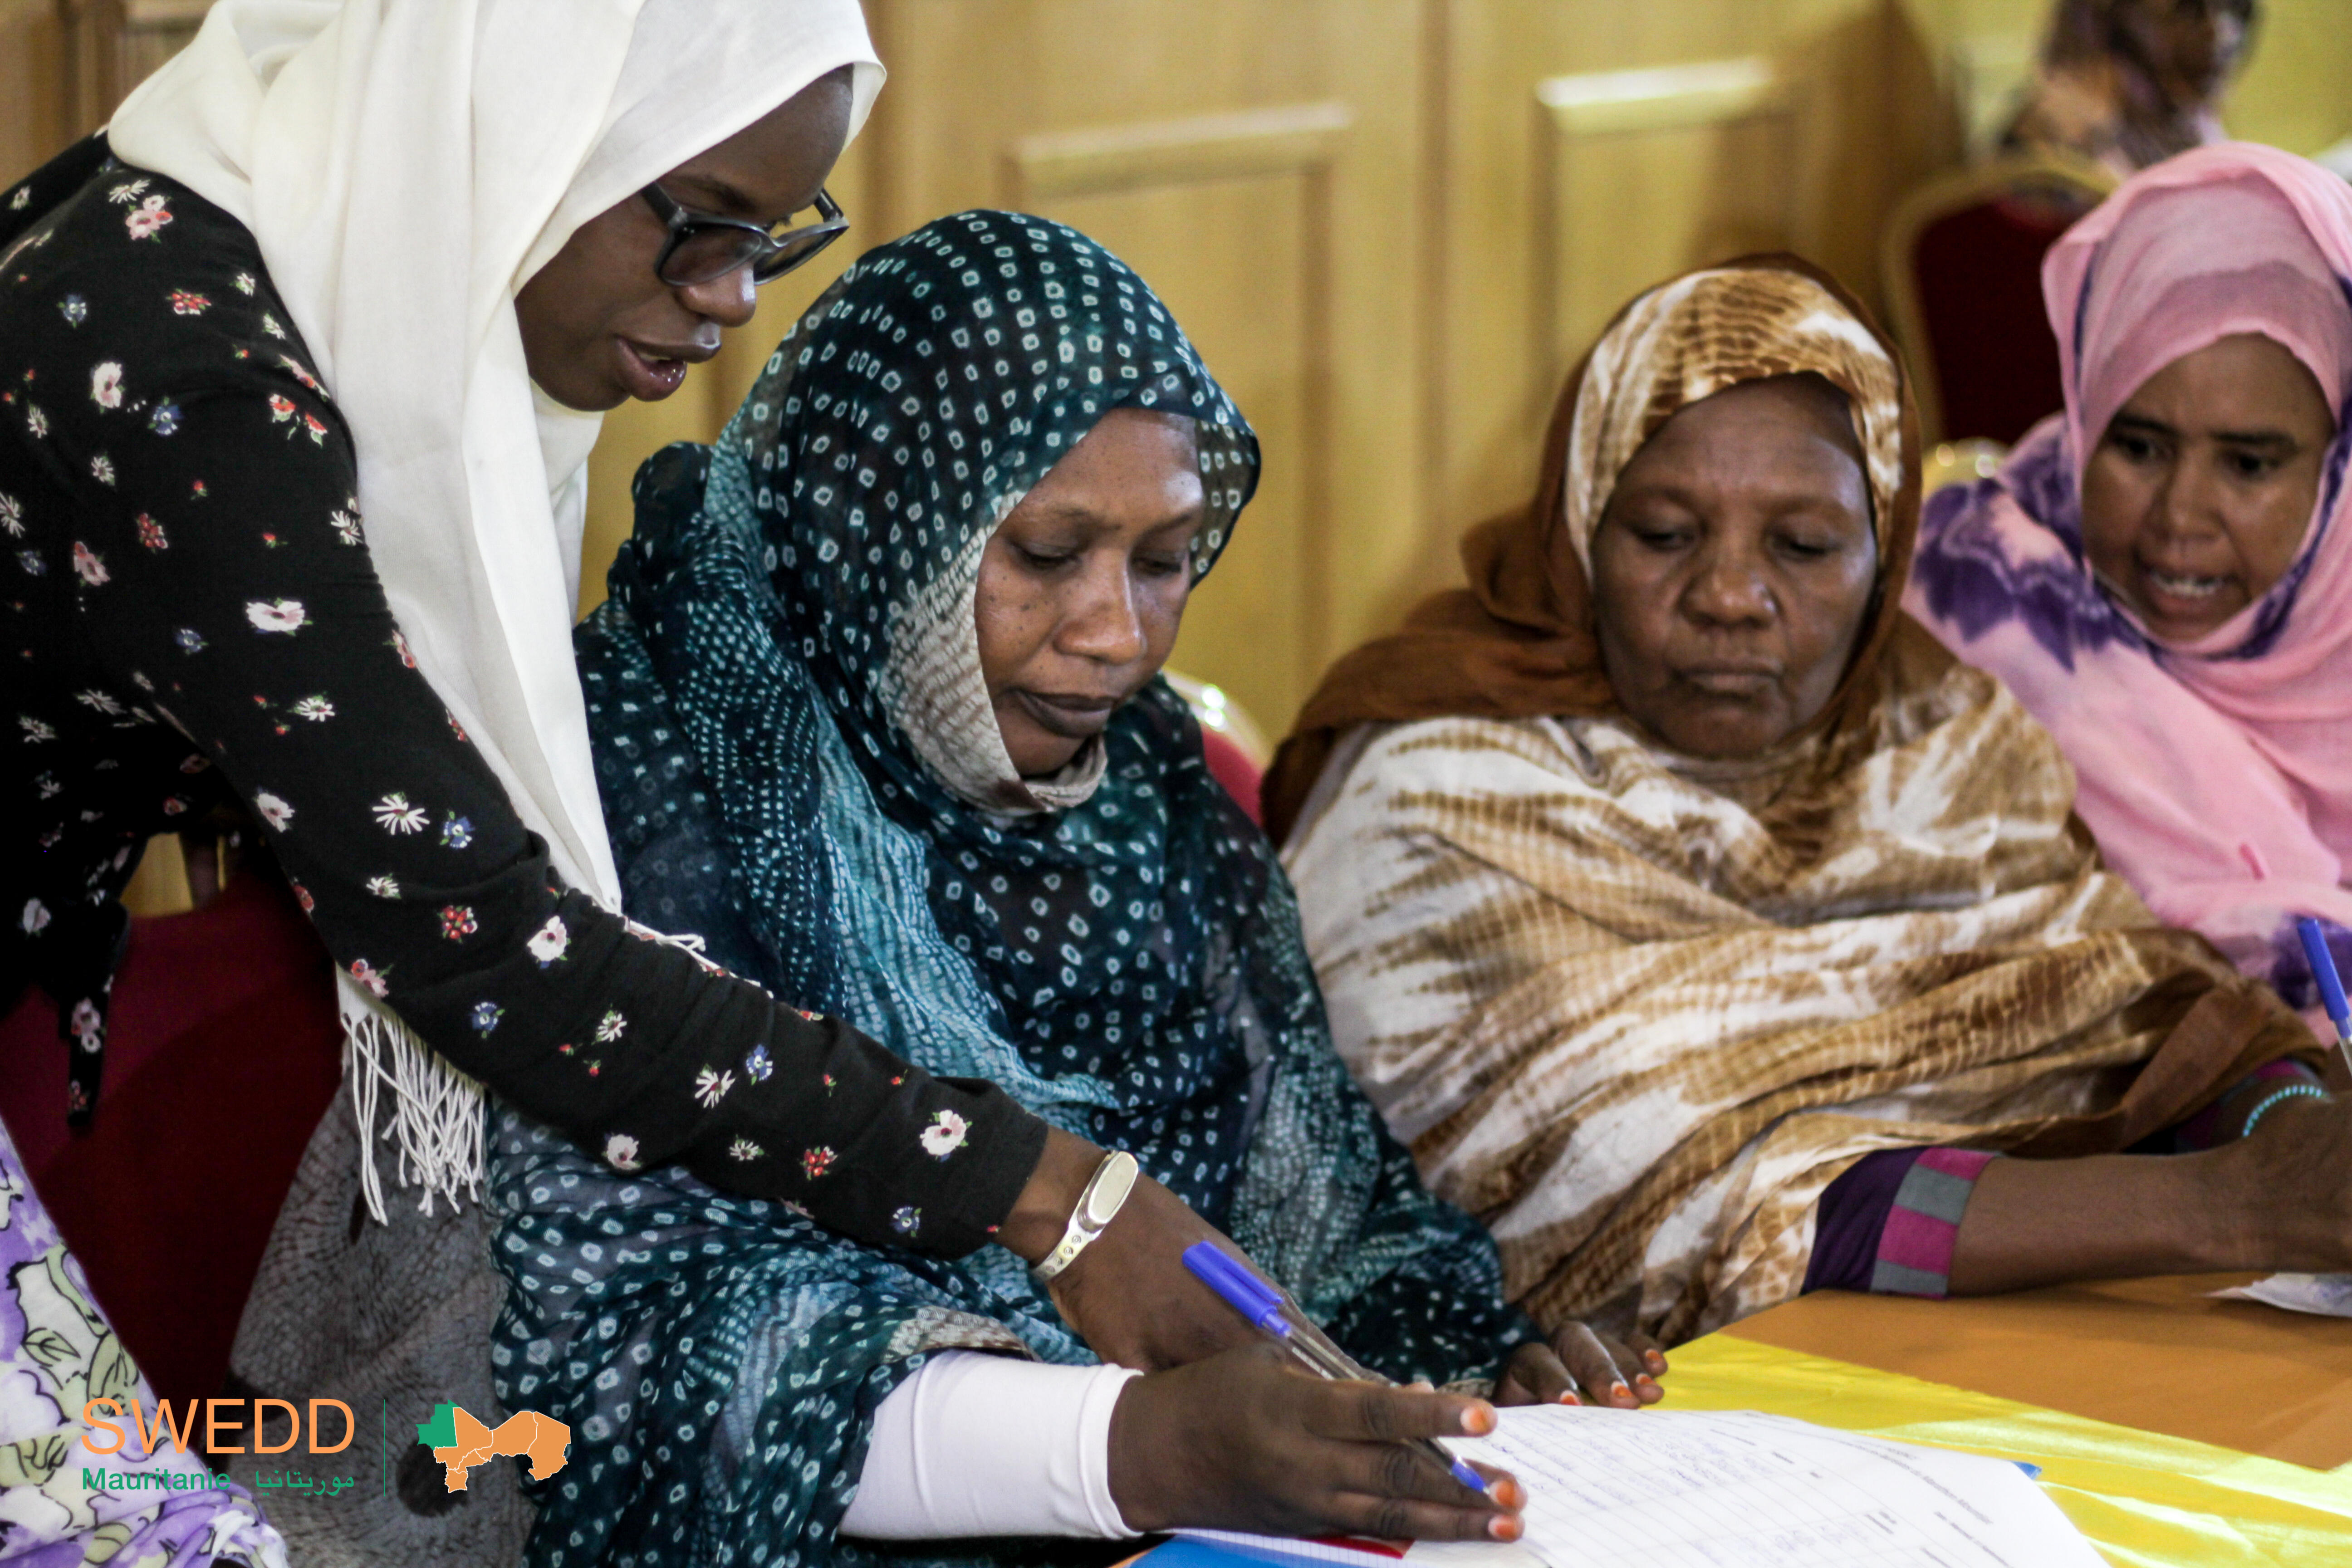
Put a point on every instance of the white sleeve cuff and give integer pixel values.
(985, 1444)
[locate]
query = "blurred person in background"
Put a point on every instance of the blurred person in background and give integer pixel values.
(2128, 83)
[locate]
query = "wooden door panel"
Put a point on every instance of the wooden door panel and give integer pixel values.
(1228, 217)
(1651, 173)
(1259, 164)
(1595, 150)
(1232, 259)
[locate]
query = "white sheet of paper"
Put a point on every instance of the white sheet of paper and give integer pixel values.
(2324, 1295)
(1667, 1488)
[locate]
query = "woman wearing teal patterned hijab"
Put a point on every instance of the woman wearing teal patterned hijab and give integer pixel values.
(876, 715)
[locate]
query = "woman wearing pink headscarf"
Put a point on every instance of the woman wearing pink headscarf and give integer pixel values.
(2163, 573)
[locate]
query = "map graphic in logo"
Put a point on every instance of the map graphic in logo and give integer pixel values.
(460, 1442)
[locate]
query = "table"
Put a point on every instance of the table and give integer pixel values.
(2156, 1354)
(2174, 1430)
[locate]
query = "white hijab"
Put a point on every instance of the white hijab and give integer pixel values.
(405, 166)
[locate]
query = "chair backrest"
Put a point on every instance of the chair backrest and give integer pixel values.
(1235, 769)
(1233, 746)
(1961, 260)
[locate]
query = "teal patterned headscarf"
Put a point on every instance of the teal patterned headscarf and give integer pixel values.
(799, 764)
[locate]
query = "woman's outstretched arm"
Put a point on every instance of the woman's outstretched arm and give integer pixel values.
(2281, 1198)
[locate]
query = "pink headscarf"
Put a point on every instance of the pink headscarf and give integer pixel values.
(2217, 774)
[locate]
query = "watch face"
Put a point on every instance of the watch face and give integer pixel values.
(1117, 1180)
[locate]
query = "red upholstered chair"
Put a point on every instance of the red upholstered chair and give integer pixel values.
(223, 1051)
(1235, 769)
(1233, 744)
(1961, 265)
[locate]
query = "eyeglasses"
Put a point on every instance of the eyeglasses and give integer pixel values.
(700, 247)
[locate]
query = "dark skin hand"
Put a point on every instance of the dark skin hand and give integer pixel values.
(2196, 498)
(2110, 1216)
(1579, 1366)
(1139, 1256)
(1128, 1294)
(1245, 1440)
(1733, 565)
(599, 328)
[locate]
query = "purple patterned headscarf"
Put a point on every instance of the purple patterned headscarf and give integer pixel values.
(2217, 774)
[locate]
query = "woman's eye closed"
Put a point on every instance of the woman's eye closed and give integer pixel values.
(1042, 560)
(1161, 565)
(1661, 537)
(1807, 547)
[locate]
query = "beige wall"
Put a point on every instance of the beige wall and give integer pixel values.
(1391, 224)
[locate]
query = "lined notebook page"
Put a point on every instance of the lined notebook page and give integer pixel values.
(1739, 1490)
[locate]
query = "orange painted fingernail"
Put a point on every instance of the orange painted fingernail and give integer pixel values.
(1478, 1420)
(1505, 1527)
(1619, 1391)
(1570, 1398)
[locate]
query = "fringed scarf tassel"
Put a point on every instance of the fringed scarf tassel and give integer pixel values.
(437, 1118)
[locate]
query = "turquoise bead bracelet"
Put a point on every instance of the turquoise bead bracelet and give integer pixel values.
(2291, 1092)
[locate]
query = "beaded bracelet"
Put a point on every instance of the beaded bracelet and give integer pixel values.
(2291, 1091)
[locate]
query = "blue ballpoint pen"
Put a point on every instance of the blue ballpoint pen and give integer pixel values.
(2331, 984)
(1274, 1314)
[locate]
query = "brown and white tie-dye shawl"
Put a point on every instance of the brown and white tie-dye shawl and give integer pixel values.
(1638, 1011)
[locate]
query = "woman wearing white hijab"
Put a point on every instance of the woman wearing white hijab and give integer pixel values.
(302, 362)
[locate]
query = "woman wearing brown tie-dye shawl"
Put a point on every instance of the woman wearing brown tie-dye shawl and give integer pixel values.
(1705, 982)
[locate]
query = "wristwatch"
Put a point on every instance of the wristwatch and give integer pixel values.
(1105, 1191)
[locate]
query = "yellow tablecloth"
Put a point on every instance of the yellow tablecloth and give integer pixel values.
(2144, 1499)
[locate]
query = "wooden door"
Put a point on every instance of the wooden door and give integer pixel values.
(1259, 163)
(1594, 149)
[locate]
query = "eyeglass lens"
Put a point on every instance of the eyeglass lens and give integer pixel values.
(706, 253)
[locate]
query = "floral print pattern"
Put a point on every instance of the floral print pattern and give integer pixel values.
(944, 1136)
(394, 815)
(140, 1503)
(549, 942)
(276, 615)
(190, 622)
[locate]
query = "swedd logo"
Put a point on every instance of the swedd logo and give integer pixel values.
(181, 1427)
(460, 1442)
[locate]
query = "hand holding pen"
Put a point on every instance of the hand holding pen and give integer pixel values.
(1252, 1439)
(1274, 1314)
(1246, 1440)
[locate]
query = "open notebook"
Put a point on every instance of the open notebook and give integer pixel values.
(1728, 1489)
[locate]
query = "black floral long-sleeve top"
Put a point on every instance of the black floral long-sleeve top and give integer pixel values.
(188, 615)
